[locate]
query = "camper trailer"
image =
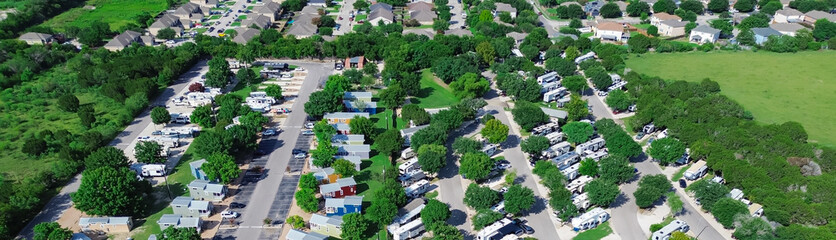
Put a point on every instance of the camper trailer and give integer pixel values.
(597, 156)
(180, 131)
(149, 170)
(544, 129)
(410, 230)
(489, 149)
(591, 145)
(548, 87)
(171, 142)
(590, 219)
(547, 78)
(649, 128)
(417, 188)
(557, 149)
(555, 137)
(411, 177)
(554, 95)
(665, 232)
(587, 56)
(409, 166)
(407, 153)
(497, 230)
(578, 184)
(499, 207)
(180, 118)
(581, 201)
(571, 172)
(566, 160)
(696, 171)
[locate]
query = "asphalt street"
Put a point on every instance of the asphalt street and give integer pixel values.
(457, 14)
(61, 202)
(227, 20)
(345, 24)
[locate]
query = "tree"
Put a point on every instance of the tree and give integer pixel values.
(361, 125)
(370, 69)
(692, 5)
(718, 6)
(211, 142)
(196, 87)
(203, 116)
(666, 150)
(149, 152)
(389, 142)
(679, 236)
(485, 217)
(495, 131)
(382, 211)
(93, 35)
(353, 227)
(616, 169)
(219, 73)
(87, 115)
(528, 115)
(166, 33)
(752, 228)
(415, 114)
(429, 135)
(639, 43)
(440, 25)
(432, 157)
(589, 167)
(323, 155)
(771, 7)
(746, 37)
(296, 221)
(745, 5)
(323, 131)
(435, 214)
(619, 100)
(172, 233)
(51, 231)
(726, 209)
(393, 96)
(246, 76)
(723, 25)
(325, 101)
(610, 10)
(464, 145)
(518, 199)
(651, 188)
(576, 84)
(306, 199)
(344, 168)
(450, 68)
(636, 8)
(470, 85)
(110, 191)
(667, 6)
(308, 181)
(576, 23)
(708, 192)
(577, 108)
(486, 52)
(824, 29)
(572, 52)
(479, 197)
(653, 31)
(392, 189)
(535, 145)
(757, 20)
(222, 167)
(562, 66)
(160, 115)
(106, 157)
(68, 102)
(475, 166)
(447, 119)
(602, 192)
(577, 132)
(600, 79)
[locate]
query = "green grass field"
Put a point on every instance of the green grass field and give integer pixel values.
(775, 87)
(433, 95)
(117, 13)
(596, 233)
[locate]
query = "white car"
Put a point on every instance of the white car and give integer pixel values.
(300, 155)
(309, 125)
(299, 69)
(269, 132)
(229, 214)
(307, 132)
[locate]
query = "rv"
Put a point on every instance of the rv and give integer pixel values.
(590, 219)
(591, 145)
(548, 87)
(566, 160)
(498, 230)
(489, 149)
(649, 128)
(544, 129)
(410, 230)
(411, 177)
(557, 149)
(407, 153)
(554, 95)
(563, 101)
(180, 118)
(180, 131)
(547, 78)
(736, 194)
(756, 210)
(149, 170)
(587, 56)
(571, 172)
(499, 207)
(417, 188)
(578, 184)
(171, 142)
(555, 137)
(665, 232)
(696, 171)
(409, 166)
(581, 201)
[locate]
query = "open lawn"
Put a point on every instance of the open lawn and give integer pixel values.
(596, 233)
(775, 87)
(178, 180)
(117, 13)
(432, 94)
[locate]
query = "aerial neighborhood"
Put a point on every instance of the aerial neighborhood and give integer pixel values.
(417, 119)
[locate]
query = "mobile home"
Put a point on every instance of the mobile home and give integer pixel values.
(590, 219)
(409, 166)
(578, 184)
(555, 137)
(409, 230)
(417, 188)
(696, 171)
(665, 232)
(591, 145)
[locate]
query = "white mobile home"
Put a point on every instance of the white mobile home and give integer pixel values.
(547, 78)
(547, 87)
(495, 230)
(571, 172)
(554, 95)
(555, 137)
(587, 56)
(665, 232)
(418, 188)
(581, 201)
(696, 171)
(578, 184)
(557, 149)
(597, 156)
(566, 160)
(409, 166)
(591, 145)
(410, 230)
(590, 219)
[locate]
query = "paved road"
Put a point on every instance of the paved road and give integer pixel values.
(276, 185)
(61, 202)
(227, 20)
(457, 14)
(345, 25)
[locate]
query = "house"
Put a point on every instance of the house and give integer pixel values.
(300, 235)
(189, 13)
(672, 28)
(342, 188)
(124, 40)
(356, 160)
(812, 16)
(380, 6)
(423, 17)
(342, 128)
(361, 106)
(33, 38)
(206, 191)
(326, 175)
(593, 8)
(348, 139)
(317, 3)
(504, 7)
(786, 28)
(408, 132)
(660, 17)
(788, 15)
(187, 207)
(196, 168)
(330, 226)
(610, 31)
(554, 113)
(704, 34)
(343, 206)
(355, 62)
(260, 21)
(762, 34)
(302, 24)
(358, 96)
(205, 3)
(419, 6)
(178, 221)
(105, 225)
(353, 150)
(343, 117)
(245, 35)
(410, 212)
(380, 14)
(518, 37)
(270, 9)
(166, 21)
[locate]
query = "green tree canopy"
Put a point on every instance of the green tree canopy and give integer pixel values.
(344, 168)
(528, 115)
(68, 102)
(354, 227)
(51, 231)
(149, 152)
(578, 132)
(172, 233)
(610, 10)
(109, 157)
(619, 100)
(432, 157)
(111, 191)
(475, 166)
(636, 8)
(576, 84)
(616, 169)
(389, 142)
(435, 214)
(726, 209)
(222, 167)
(495, 131)
(470, 85)
(535, 145)
(479, 197)
(306, 200)
(361, 125)
(160, 115)
(464, 145)
(666, 150)
(602, 192)
(518, 199)
(589, 167)
(415, 113)
(382, 211)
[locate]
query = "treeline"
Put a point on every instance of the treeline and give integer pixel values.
(772, 163)
(20, 62)
(33, 13)
(68, 110)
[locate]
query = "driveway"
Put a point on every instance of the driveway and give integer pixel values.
(227, 20)
(345, 24)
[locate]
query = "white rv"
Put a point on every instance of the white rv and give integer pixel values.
(554, 95)
(665, 232)
(587, 56)
(571, 172)
(417, 188)
(411, 177)
(409, 166)
(489, 149)
(597, 156)
(590, 219)
(591, 145)
(180, 118)
(566, 160)
(578, 184)
(497, 230)
(581, 201)
(407, 153)
(410, 230)
(555, 137)
(547, 78)
(149, 170)
(171, 142)
(696, 171)
(736, 194)
(557, 149)
(499, 207)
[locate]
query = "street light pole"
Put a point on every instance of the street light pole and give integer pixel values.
(165, 178)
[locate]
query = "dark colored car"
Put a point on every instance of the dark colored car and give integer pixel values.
(297, 151)
(682, 183)
(237, 205)
(527, 229)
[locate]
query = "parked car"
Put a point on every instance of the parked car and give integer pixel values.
(237, 205)
(300, 155)
(309, 125)
(229, 214)
(682, 183)
(640, 135)
(307, 132)
(526, 229)
(269, 132)
(297, 151)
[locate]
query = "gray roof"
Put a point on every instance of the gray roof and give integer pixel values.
(324, 172)
(245, 35)
(415, 203)
(323, 220)
(412, 130)
(199, 205)
(257, 19)
(350, 104)
(206, 186)
(458, 32)
(348, 138)
(706, 29)
(353, 148)
(674, 23)
(570, 3)
(765, 32)
(353, 95)
(789, 12)
(189, 222)
(300, 235)
(181, 201)
(345, 115)
(123, 40)
(267, 8)
(352, 159)
(302, 26)
(33, 36)
(381, 13)
(786, 27)
(215, 188)
(554, 112)
(197, 183)
(816, 14)
(187, 9)
(198, 163)
(316, 2)
(311, 10)
(341, 127)
(423, 15)
(380, 5)
(165, 21)
(342, 202)
(104, 220)
(419, 6)
(171, 219)
(504, 7)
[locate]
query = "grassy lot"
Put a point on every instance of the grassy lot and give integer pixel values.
(681, 172)
(433, 95)
(361, 17)
(235, 24)
(776, 88)
(242, 17)
(117, 13)
(642, 26)
(596, 233)
(178, 181)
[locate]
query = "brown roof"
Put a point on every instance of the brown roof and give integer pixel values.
(610, 26)
(665, 16)
(419, 6)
